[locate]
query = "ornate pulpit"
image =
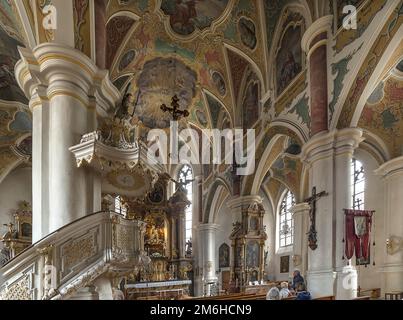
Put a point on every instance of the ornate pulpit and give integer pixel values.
(248, 239)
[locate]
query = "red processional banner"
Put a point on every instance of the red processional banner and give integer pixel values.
(358, 231)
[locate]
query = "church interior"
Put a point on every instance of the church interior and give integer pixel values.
(93, 207)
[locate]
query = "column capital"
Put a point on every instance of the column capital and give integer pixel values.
(208, 227)
(310, 37)
(63, 70)
(325, 144)
(242, 201)
(391, 168)
(300, 208)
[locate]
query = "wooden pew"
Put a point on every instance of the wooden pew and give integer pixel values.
(373, 293)
(326, 298)
(362, 298)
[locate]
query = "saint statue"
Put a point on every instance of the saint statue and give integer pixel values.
(181, 185)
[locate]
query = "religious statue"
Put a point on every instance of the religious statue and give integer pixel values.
(189, 247)
(266, 254)
(154, 236)
(122, 112)
(181, 185)
(312, 233)
(394, 244)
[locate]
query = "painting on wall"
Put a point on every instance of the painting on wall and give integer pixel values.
(247, 31)
(252, 254)
(9, 89)
(289, 58)
(284, 264)
(160, 80)
(188, 15)
(201, 118)
(127, 59)
(219, 82)
(224, 257)
(251, 103)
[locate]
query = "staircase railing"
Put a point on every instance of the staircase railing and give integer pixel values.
(73, 256)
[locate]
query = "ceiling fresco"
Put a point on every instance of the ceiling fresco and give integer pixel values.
(383, 114)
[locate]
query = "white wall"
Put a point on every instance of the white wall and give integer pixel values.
(273, 265)
(16, 187)
(225, 219)
(370, 277)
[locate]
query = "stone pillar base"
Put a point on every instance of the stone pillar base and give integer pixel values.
(321, 283)
(346, 283)
(86, 293)
(392, 277)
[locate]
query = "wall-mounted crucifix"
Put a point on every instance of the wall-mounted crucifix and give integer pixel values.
(174, 109)
(312, 239)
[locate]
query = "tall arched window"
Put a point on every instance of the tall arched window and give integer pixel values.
(357, 184)
(185, 174)
(286, 225)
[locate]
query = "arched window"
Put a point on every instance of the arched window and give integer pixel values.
(357, 184)
(186, 175)
(286, 225)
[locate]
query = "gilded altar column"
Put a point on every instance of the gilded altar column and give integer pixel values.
(67, 92)
(328, 159)
(392, 268)
(300, 214)
(314, 43)
(207, 238)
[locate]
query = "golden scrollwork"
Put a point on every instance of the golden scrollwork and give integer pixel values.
(19, 290)
(77, 251)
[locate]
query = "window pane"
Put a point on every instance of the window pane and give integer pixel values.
(285, 220)
(186, 175)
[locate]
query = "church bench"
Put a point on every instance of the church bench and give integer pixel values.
(362, 298)
(326, 298)
(374, 293)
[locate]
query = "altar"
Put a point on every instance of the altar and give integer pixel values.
(162, 290)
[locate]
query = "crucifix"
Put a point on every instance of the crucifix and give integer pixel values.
(312, 239)
(174, 109)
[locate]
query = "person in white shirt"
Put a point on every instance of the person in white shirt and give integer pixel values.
(284, 292)
(273, 294)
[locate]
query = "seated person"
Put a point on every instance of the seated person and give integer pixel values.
(273, 294)
(302, 294)
(297, 279)
(284, 292)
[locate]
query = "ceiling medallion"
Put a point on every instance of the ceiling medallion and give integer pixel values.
(187, 19)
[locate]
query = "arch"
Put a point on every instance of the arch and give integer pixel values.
(263, 166)
(390, 59)
(300, 7)
(111, 64)
(206, 92)
(208, 203)
(23, 15)
(345, 110)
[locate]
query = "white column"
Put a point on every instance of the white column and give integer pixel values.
(300, 214)
(347, 140)
(328, 157)
(207, 233)
(392, 268)
(66, 91)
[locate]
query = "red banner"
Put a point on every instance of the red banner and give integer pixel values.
(358, 230)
